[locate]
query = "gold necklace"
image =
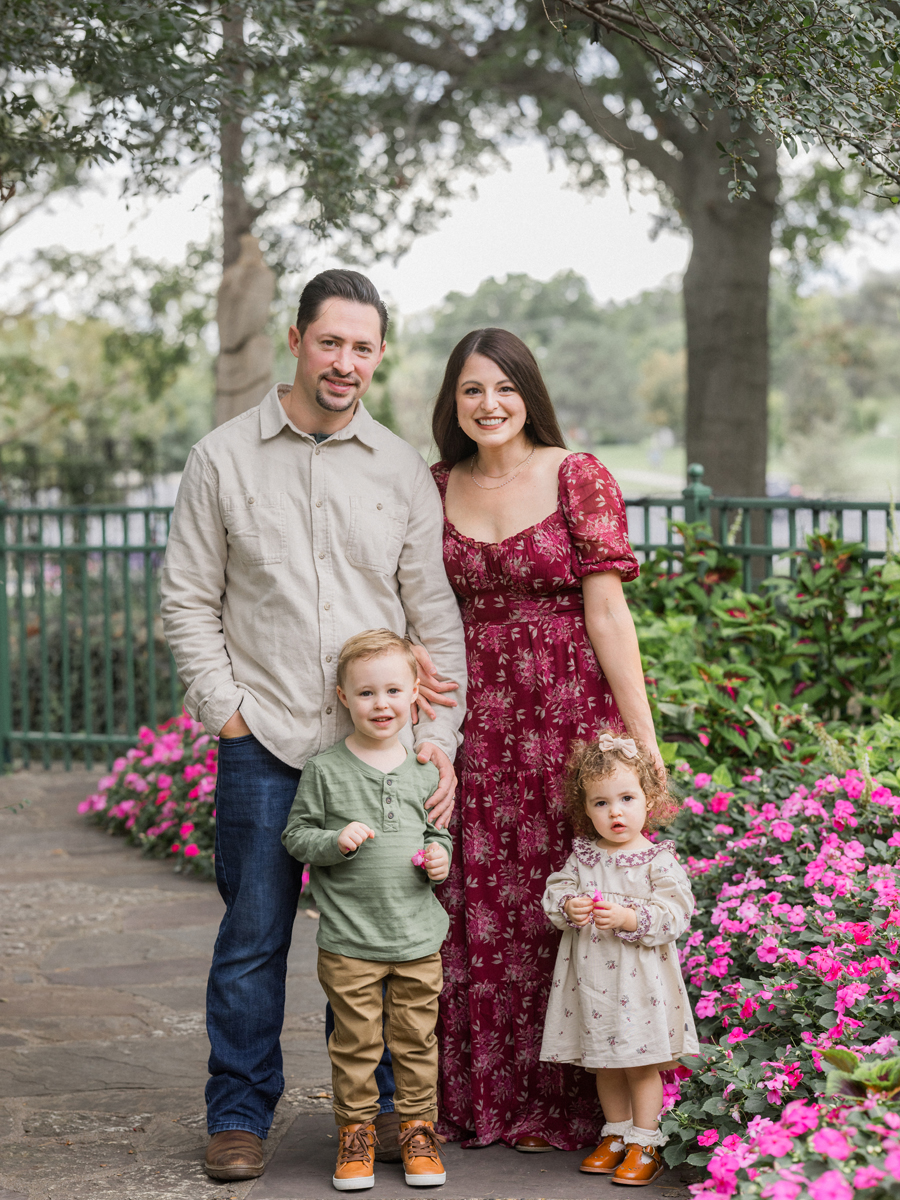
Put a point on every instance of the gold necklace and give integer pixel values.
(523, 463)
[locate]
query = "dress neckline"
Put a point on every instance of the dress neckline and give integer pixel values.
(464, 537)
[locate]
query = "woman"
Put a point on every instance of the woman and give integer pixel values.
(536, 548)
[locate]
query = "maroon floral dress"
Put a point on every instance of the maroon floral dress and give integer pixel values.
(534, 685)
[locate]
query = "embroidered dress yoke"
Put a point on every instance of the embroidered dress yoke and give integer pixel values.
(534, 685)
(618, 999)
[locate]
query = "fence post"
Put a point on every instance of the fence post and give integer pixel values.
(5, 681)
(696, 496)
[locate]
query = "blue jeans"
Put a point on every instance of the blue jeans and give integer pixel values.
(260, 884)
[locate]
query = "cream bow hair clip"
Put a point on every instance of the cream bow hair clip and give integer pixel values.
(608, 742)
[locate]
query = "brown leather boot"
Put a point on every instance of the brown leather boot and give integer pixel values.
(420, 1147)
(356, 1158)
(607, 1156)
(642, 1165)
(387, 1134)
(234, 1154)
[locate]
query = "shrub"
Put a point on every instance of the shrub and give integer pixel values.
(792, 954)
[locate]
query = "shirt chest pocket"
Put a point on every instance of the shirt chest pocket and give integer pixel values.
(376, 533)
(255, 527)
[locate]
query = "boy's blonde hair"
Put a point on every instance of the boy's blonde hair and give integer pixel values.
(587, 761)
(374, 643)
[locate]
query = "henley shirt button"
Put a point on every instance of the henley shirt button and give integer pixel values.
(390, 816)
(328, 711)
(389, 782)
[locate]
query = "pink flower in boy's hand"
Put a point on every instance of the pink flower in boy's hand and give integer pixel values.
(418, 859)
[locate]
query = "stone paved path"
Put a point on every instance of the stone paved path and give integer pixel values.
(103, 962)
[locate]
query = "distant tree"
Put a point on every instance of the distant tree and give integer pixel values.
(500, 71)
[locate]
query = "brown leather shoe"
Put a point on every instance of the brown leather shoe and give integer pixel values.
(234, 1154)
(356, 1158)
(607, 1156)
(642, 1165)
(533, 1145)
(387, 1133)
(420, 1147)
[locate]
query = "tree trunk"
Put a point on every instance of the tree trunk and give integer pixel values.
(726, 300)
(245, 363)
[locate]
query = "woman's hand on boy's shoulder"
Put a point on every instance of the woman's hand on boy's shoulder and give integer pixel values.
(437, 862)
(352, 836)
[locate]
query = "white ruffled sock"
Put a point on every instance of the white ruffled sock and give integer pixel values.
(646, 1137)
(619, 1130)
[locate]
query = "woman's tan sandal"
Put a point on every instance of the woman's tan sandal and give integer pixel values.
(642, 1165)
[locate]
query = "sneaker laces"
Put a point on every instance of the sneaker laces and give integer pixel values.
(423, 1142)
(355, 1145)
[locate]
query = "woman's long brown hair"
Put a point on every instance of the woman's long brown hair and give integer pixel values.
(517, 362)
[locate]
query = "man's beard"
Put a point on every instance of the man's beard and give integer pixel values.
(333, 405)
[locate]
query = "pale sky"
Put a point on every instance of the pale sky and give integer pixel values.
(523, 220)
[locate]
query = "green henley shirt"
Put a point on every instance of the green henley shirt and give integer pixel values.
(374, 903)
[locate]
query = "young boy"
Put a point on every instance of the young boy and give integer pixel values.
(358, 819)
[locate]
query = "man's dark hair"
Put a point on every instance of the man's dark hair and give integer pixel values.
(340, 285)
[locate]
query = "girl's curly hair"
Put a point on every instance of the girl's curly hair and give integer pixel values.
(587, 761)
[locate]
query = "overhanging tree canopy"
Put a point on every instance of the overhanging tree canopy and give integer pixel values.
(807, 71)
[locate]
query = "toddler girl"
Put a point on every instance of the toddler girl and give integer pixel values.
(618, 1006)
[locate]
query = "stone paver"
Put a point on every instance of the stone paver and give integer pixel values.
(103, 962)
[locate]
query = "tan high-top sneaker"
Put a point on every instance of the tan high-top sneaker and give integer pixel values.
(419, 1145)
(356, 1158)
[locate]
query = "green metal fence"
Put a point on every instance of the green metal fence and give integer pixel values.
(83, 661)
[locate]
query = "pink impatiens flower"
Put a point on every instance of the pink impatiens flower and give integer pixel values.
(709, 1137)
(418, 859)
(719, 802)
(830, 1186)
(832, 1144)
(191, 850)
(799, 1117)
(701, 779)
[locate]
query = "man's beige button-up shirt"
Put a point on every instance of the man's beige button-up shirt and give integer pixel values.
(280, 549)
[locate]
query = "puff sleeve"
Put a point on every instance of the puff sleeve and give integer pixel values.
(595, 514)
(667, 914)
(561, 886)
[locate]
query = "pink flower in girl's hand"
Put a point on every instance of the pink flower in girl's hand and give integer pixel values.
(597, 896)
(418, 859)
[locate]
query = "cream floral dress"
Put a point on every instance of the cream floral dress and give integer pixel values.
(618, 999)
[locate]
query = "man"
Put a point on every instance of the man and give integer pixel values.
(297, 524)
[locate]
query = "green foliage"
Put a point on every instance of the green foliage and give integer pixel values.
(731, 674)
(827, 73)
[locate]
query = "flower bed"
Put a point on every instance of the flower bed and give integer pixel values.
(792, 955)
(161, 795)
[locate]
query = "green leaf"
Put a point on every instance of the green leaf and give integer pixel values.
(844, 1060)
(721, 777)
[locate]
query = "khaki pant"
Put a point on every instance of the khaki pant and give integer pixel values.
(408, 1010)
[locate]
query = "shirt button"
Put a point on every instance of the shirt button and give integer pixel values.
(326, 607)
(379, 507)
(328, 658)
(318, 451)
(328, 711)
(390, 816)
(321, 556)
(318, 504)
(250, 500)
(389, 782)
